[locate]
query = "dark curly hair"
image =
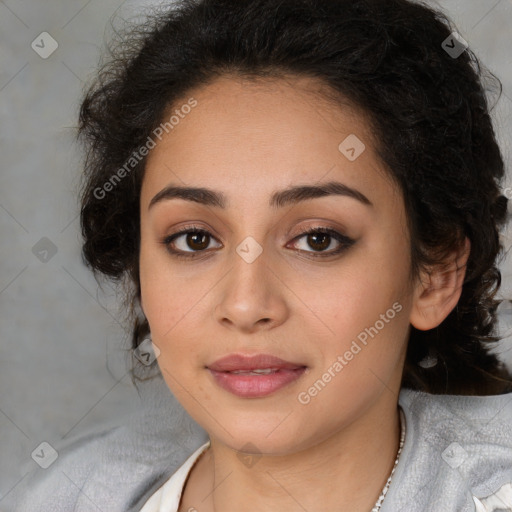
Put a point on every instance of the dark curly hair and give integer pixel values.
(428, 109)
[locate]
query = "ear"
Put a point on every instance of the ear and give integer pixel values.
(438, 292)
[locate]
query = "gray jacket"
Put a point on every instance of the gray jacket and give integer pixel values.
(456, 448)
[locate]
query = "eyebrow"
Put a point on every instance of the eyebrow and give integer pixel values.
(279, 199)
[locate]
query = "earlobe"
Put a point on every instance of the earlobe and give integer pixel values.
(438, 292)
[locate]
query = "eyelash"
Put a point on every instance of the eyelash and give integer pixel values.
(344, 241)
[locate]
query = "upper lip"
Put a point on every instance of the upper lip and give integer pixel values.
(235, 362)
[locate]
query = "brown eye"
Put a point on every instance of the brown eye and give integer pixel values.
(186, 243)
(319, 239)
(197, 241)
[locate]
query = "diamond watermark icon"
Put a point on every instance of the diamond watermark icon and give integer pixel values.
(352, 147)
(249, 249)
(44, 250)
(249, 459)
(454, 45)
(147, 352)
(44, 45)
(454, 455)
(45, 455)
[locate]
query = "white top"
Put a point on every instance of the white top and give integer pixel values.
(167, 497)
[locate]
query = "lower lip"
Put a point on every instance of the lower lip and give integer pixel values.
(256, 386)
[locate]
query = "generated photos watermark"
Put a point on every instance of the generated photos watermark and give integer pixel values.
(138, 155)
(304, 397)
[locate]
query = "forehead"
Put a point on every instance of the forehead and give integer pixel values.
(254, 136)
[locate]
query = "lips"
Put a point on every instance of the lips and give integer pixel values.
(240, 363)
(254, 376)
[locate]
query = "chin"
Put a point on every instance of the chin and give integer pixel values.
(260, 435)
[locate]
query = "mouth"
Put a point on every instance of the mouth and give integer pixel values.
(241, 363)
(257, 371)
(254, 376)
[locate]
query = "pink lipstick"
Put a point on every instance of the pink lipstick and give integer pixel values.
(254, 376)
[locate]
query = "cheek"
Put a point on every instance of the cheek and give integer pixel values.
(365, 286)
(166, 296)
(359, 359)
(363, 312)
(174, 305)
(158, 295)
(358, 313)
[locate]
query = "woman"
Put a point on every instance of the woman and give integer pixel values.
(304, 201)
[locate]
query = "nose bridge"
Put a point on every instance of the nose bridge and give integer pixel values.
(250, 295)
(249, 259)
(249, 273)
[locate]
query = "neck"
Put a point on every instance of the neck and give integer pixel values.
(346, 471)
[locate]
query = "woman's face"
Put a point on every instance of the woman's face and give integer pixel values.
(250, 282)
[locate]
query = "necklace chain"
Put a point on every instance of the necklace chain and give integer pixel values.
(377, 505)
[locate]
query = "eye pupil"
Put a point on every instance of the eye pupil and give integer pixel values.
(200, 238)
(324, 240)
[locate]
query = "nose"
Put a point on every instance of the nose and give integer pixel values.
(252, 296)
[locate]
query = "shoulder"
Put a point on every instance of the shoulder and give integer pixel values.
(458, 448)
(114, 469)
(58, 486)
(467, 418)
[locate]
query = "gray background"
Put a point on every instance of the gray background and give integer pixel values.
(63, 352)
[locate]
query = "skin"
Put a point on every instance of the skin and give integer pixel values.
(248, 139)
